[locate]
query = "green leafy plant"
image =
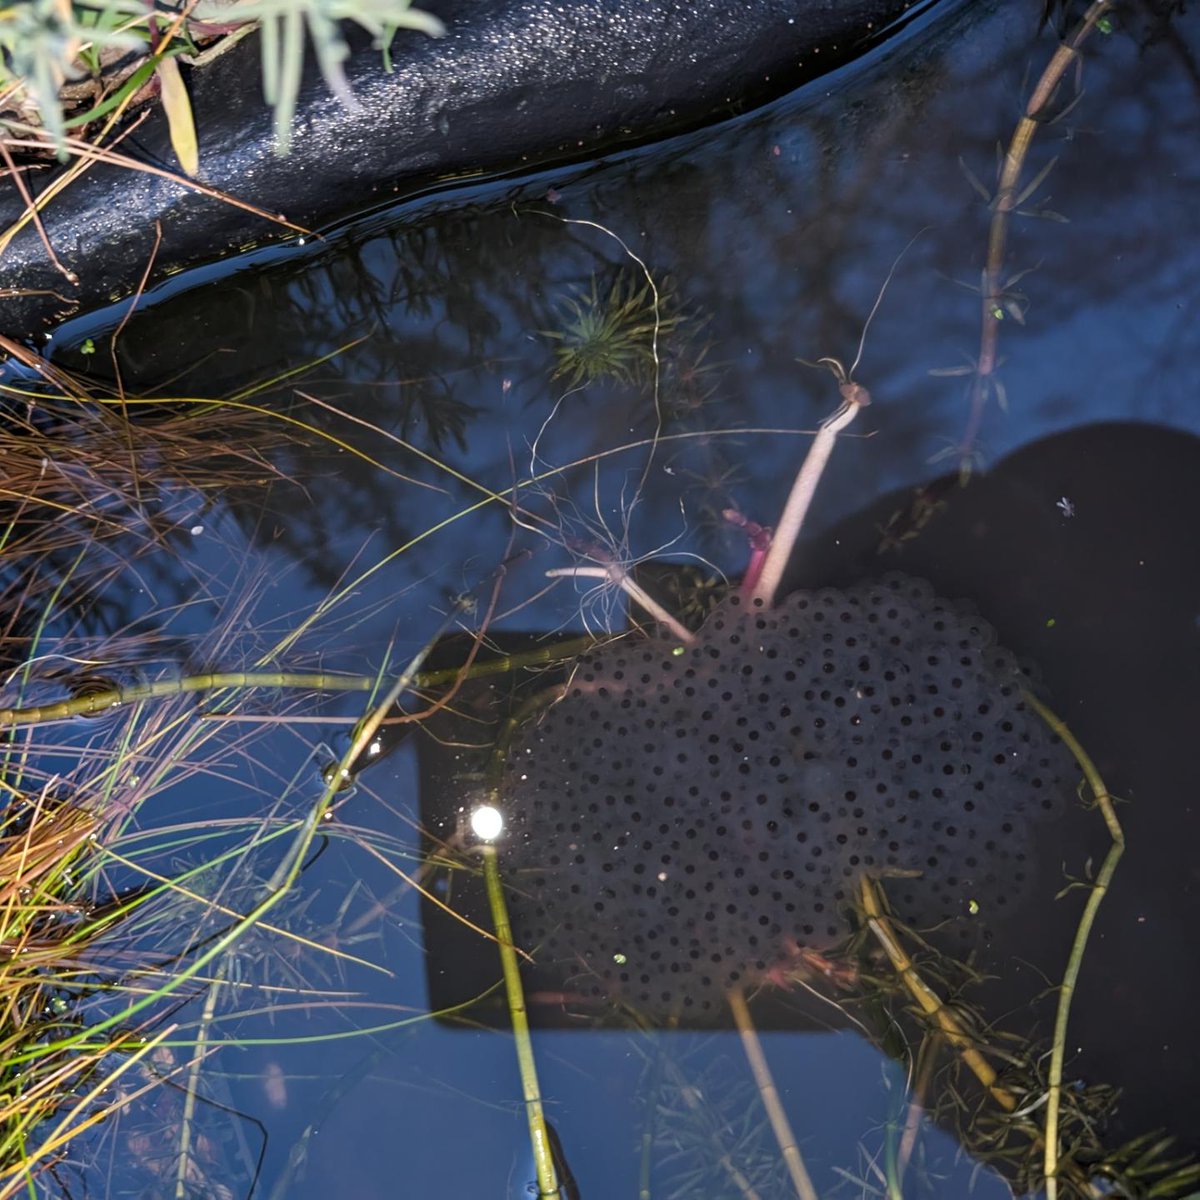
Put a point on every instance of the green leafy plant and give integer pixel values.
(46, 44)
(284, 23)
(611, 335)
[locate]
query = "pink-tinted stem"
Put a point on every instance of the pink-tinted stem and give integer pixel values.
(616, 574)
(796, 509)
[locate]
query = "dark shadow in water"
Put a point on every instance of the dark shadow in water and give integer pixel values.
(1105, 602)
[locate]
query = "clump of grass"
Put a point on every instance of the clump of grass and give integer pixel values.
(115, 1003)
(94, 497)
(44, 44)
(49, 1071)
(64, 65)
(77, 473)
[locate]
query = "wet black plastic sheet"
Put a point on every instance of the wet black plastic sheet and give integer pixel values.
(512, 84)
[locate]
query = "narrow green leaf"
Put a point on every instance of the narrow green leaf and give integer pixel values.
(1001, 395)
(269, 47)
(132, 84)
(1035, 183)
(291, 64)
(1012, 281)
(1045, 214)
(973, 180)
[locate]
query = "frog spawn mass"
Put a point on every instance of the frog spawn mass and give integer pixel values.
(685, 814)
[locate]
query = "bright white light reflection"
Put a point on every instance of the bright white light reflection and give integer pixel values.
(487, 823)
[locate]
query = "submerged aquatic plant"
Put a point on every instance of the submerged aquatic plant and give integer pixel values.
(688, 819)
(611, 335)
(655, 863)
(704, 1135)
(1011, 192)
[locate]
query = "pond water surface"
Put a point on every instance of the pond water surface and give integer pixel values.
(769, 240)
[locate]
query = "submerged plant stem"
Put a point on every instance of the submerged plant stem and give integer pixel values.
(615, 574)
(928, 1000)
(539, 1138)
(1007, 199)
(798, 502)
(1087, 919)
(101, 701)
(770, 1096)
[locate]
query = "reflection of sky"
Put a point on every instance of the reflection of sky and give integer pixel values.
(778, 229)
(436, 1089)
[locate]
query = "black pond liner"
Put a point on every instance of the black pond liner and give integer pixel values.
(513, 84)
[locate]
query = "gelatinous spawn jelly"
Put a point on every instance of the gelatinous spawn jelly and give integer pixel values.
(685, 813)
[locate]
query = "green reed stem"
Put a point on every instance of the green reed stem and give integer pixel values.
(1087, 919)
(539, 1137)
(98, 702)
(101, 701)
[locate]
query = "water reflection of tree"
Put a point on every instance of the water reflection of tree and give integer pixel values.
(782, 227)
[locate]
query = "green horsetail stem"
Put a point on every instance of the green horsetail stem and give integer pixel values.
(539, 1136)
(1101, 797)
(98, 702)
(94, 703)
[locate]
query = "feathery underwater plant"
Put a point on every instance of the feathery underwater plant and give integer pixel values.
(611, 335)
